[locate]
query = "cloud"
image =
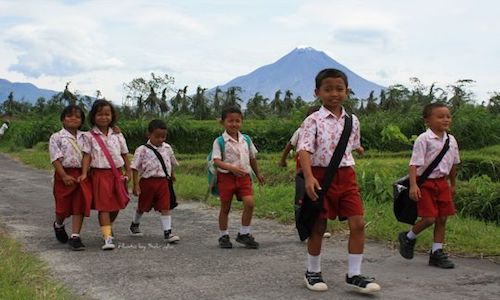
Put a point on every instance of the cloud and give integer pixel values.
(361, 36)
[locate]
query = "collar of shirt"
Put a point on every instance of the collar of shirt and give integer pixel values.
(325, 113)
(66, 133)
(227, 137)
(432, 135)
(163, 145)
(98, 131)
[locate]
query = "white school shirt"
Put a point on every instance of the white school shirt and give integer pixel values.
(427, 146)
(294, 140)
(115, 143)
(236, 152)
(3, 128)
(320, 133)
(61, 148)
(148, 165)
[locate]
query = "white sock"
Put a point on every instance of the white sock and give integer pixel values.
(223, 232)
(244, 229)
(313, 263)
(411, 235)
(137, 218)
(354, 264)
(436, 246)
(59, 225)
(166, 222)
(73, 235)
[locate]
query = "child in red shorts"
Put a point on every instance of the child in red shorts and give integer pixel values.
(234, 168)
(320, 134)
(153, 186)
(65, 149)
(434, 196)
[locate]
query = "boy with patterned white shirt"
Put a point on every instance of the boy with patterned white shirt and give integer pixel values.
(153, 186)
(65, 150)
(434, 196)
(320, 135)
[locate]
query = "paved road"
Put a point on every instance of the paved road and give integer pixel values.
(144, 268)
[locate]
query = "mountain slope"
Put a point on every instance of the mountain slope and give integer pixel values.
(23, 91)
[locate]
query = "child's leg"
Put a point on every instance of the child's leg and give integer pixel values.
(166, 220)
(225, 207)
(59, 220)
(439, 232)
(113, 215)
(316, 238)
(356, 234)
(105, 222)
(422, 224)
(248, 205)
(76, 223)
(314, 280)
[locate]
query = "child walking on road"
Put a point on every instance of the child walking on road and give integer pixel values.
(151, 182)
(435, 195)
(235, 164)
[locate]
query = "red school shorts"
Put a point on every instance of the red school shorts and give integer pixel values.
(436, 200)
(342, 199)
(230, 184)
(154, 194)
(70, 199)
(104, 191)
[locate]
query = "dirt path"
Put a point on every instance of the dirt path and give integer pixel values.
(197, 269)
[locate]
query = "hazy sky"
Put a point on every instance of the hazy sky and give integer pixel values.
(103, 44)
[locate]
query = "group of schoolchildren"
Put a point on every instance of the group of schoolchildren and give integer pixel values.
(91, 170)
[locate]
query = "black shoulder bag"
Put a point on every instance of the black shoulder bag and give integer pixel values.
(173, 198)
(309, 210)
(405, 209)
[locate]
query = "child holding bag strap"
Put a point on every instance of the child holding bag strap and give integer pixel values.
(106, 154)
(153, 164)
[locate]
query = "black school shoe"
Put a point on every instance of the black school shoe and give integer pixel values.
(134, 229)
(224, 242)
(247, 240)
(406, 246)
(61, 234)
(314, 281)
(75, 244)
(440, 259)
(362, 284)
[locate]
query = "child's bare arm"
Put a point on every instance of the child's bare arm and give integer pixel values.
(67, 179)
(255, 168)
(284, 155)
(415, 193)
(128, 170)
(135, 178)
(311, 183)
(453, 179)
(85, 166)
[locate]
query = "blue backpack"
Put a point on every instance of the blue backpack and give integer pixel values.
(212, 169)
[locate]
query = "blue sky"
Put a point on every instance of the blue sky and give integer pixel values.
(99, 45)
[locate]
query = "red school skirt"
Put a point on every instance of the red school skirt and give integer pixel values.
(343, 199)
(105, 191)
(72, 199)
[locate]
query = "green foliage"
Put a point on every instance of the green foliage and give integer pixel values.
(479, 198)
(393, 138)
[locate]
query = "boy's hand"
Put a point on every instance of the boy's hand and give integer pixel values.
(68, 180)
(360, 150)
(137, 190)
(282, 163)
(311, 186)
(173, 178)
(415, 193)
(261, 178)
(238, 171)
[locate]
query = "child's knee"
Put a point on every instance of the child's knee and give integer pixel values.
(428, 220)
(357, 225)
(225, 208)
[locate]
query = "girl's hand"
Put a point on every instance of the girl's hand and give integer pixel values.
(82, 177)
(128, 174)
(68, 180)
(415, 193)
(116, 129)
(282, 163)
(261, 178)
(137, 190)
(453, 190)
(311, 186)
(360, 150)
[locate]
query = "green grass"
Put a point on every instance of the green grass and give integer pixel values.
(25, 276)
(465, 236)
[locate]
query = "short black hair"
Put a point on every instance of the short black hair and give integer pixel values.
(430, 107)
(333, 73)
(156, 124)
(231, 110)
(71, 109)
(96, 106)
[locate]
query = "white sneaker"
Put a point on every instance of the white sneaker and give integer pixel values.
(108, 244)
(314, 282)
(170, 238)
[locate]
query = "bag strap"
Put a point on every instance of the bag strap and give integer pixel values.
(105, 150)
(435, 162)
(75, 146)
(160, 158)
(336, 157)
